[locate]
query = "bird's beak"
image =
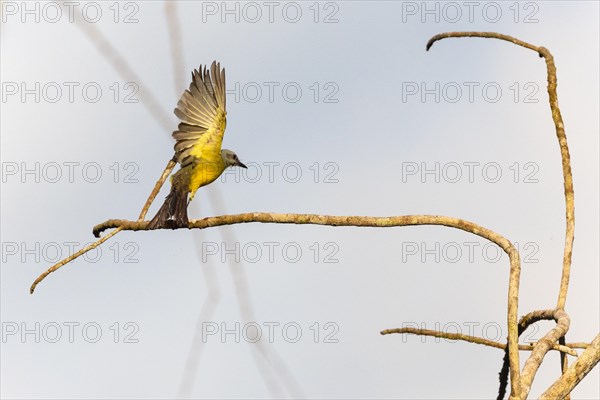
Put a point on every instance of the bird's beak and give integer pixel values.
(241, 164)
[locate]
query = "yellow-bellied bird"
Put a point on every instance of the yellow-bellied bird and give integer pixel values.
(199, 135)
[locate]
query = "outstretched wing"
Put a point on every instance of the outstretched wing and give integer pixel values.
(201, 110)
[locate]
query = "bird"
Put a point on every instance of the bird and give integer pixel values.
(198, 138)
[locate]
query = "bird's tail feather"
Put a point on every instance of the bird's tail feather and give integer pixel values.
(173, 213)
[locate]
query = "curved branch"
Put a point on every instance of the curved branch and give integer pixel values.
(472, 339)
(316, 219)
(566, 162)
(72, 257)
(562, 141)
(524, 323)
(541, 348)
(407, 220)
(485, 35)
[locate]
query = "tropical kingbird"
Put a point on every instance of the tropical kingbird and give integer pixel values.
(199, 135)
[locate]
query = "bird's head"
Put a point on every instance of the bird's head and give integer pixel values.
(231, 159)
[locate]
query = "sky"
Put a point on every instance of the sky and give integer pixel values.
(337, 109)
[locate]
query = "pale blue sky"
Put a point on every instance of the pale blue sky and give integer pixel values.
(356, 135)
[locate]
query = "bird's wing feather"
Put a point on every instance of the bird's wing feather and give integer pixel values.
(202, 112)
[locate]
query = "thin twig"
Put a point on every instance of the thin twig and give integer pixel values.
(72, 257)
(159, 183)
(486, 35)
(578, 345)
(149, 101)
(155, 190)
(472, 339)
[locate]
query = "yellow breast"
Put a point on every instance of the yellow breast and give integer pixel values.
(204, 173)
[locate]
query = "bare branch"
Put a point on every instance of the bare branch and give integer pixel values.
(575, 373)
(525, 322)
(471, 339)
(159, 183)
(578, 345)
(485, 35)
(71, 258)
(541, 348)
(566, 162)
(175, 41)
(407, 220)
(155, 190)
(515, 268)
(122, 67)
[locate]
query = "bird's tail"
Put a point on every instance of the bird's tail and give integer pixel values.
(173, 213)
